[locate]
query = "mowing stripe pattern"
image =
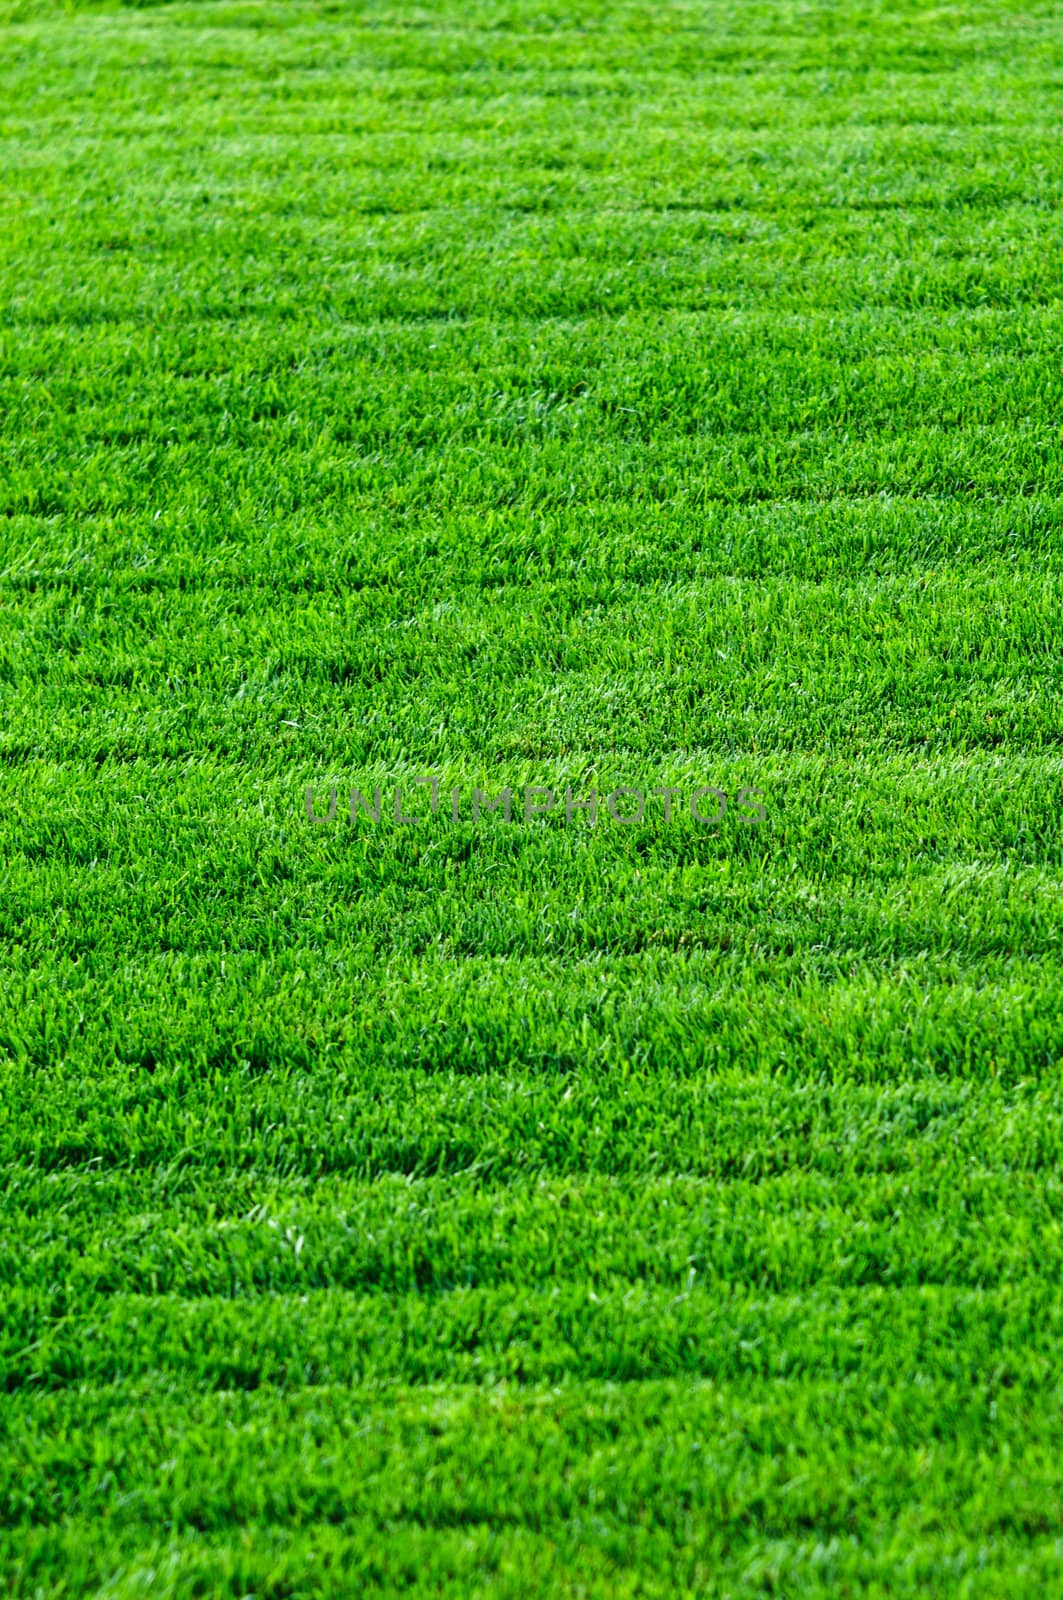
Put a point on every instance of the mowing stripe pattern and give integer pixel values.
(594, 397)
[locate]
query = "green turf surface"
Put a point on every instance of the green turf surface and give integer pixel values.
(590, 396)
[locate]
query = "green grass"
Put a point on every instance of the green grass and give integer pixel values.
(592, 395)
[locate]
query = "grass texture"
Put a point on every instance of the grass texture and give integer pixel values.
(590, 396)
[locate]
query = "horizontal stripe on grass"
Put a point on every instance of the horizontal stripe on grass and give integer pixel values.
(642, 1456)
(963, 1212)
(568, 1331)
(474, 1558)
(286, 1108)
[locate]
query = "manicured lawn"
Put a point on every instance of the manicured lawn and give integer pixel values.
(580, 397)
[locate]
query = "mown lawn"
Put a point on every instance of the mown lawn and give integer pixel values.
(589, 396)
